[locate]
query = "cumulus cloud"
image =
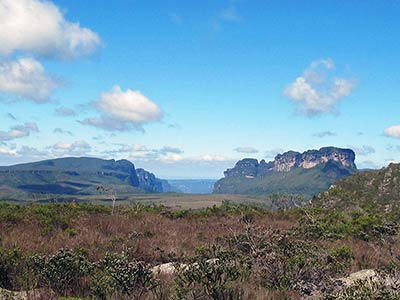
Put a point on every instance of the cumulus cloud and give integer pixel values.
(65, 112)
(317, 91)
(209, 158)
(364, 150)
(323, 134)
(18, 131)
(39, 27)
(124, 110)
(27, 78)
(393, 131)
(246, 150)
(77, 148)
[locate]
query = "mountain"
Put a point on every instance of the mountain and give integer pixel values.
(368, 190)
(75, 176)
(192, 186)
(150, 183)
(307, 173)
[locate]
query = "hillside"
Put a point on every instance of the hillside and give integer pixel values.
(368, 190)
(75, 176)
(307, 173)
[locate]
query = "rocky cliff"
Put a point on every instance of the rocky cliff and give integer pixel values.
(305, 173)
(150, 183)
(76, 176)
(290, 160)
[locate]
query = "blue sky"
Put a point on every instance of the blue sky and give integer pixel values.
(186, 88)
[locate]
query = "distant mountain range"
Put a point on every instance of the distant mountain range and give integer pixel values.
(77, 176)
(307, 173)
(192, 186)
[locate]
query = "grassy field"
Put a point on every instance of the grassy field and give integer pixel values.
(173, 200)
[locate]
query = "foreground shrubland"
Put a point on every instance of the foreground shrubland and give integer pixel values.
(81, 251)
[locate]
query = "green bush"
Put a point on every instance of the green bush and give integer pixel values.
(62, 272)
(212, 278)
(13, 268)
(117, 276)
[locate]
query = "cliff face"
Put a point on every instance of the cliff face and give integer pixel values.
(247, 167)
(290, 160)
(78, 176)
(306, 173)
(149, 182)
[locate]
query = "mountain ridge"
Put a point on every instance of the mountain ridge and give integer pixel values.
(306, 173)
(77, 176)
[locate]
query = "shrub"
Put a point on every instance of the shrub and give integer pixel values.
(63, 271)
(365, 290)
(212, 278)
(116, 275)
(13, 268)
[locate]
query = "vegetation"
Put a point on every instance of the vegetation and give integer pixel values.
(231, 251)
(306, 182)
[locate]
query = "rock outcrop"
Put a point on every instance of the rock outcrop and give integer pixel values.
(250, 168)
(150, 183)
(75, 176)
(308, 173)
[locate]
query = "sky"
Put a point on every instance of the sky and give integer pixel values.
(187, 88)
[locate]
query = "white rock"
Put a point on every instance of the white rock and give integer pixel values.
(367, 274)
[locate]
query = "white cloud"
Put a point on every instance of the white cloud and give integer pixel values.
(39, 27)
(202, 159)
(129, 106)
(246, 150)
(27, 78)
(208, 158)
(5, 151)
(393, 131)
(124, 110)
(77, 148)
(316, 92)
(18, 131)
(171, 158)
